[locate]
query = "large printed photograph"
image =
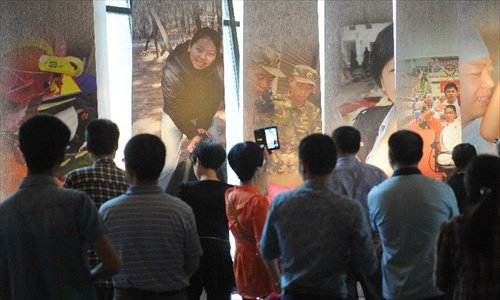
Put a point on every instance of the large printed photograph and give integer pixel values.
(432, 109)
(48, 67)
(178, 90)
(281, 86)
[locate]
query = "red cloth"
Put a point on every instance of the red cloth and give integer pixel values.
(251, 274)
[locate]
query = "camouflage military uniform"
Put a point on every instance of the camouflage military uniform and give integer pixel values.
(294, 123)
(268, 60)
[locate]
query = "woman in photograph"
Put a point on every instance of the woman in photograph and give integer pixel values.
(468, 253)
(246, 210)
(377, 123)
(192, 92)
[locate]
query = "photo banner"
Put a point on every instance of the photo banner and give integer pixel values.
(479, 49)
(48, 66)
(357, 34)
(281, 80)
(177, 83)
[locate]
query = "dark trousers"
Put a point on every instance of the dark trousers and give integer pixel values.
(215, 273)
(442, 297)
(104, 293)
(136, 294)
(289, 295)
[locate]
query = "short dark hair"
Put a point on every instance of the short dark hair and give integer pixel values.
(209, 33)
(462, 154)
(406, 147)
(244, 158)
(145, 156)
(451, 107)
(102, 136)
(483, 171)
(347, 139)
(450, 85)
(43, 140)
(318, 152)
(210, 154)
(382, 52)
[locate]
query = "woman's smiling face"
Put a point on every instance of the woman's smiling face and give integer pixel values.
(202, 53)
(476, 83)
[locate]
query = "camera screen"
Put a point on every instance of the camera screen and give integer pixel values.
(272, 141)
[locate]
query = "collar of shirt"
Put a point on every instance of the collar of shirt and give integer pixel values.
(316, 184)
(144, 189)
(248, 188)
(406, 171)
(34, 180)
(104, 161)
(346, 160)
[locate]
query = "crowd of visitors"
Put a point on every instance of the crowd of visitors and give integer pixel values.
(400, 237)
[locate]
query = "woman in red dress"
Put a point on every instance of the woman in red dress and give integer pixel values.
(246, 209)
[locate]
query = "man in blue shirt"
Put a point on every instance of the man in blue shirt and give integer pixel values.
(408, 210)
(355, 179)
(316, 233)
(45, 229)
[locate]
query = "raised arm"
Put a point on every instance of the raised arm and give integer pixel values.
(490, 125)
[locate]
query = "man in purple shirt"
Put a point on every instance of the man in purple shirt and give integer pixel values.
(355, 179)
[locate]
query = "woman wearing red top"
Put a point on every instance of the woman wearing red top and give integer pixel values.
(246, 209)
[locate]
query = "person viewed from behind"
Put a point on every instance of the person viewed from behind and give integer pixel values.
(407, 210)
(462, 154)
(355, 179)
(45, 229)
(206, 198)
(192, 92)
(246, 210)
(317, 234)
(153, 232)
(468, 254)
(102, 180)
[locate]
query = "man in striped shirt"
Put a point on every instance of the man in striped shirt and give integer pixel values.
(154, 233)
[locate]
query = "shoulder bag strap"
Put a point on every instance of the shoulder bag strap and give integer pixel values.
(233, 211)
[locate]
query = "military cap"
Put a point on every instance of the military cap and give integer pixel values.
(268, 59)
(304, 74)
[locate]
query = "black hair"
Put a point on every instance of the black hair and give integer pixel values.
(244, 158)
(382, 52)
(43, 140)
(452, 107)
(450, 85)
(482, 176)
(406, 147)
(102, 136)
(209, 33)
(462, 154)
(318, 152)
(145, 156)
(211, 155)
(347, 139)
